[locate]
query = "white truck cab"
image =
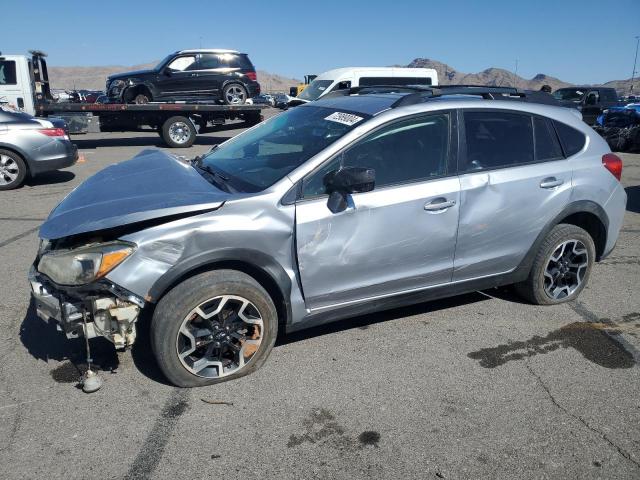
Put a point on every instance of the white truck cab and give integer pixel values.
(15, 82)
(341, 78)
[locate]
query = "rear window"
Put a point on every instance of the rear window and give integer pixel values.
(369, 81)
(234, 60)
(8, 72)
(547, 144)
(571, 139)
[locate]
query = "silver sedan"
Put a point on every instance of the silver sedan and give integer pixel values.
(29, 146)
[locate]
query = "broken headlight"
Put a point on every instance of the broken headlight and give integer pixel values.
(117, 84)
(85, 264)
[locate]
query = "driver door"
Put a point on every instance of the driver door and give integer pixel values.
(398, 237)
(178, 79)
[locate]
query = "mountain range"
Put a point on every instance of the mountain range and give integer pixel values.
(93, 78)
(448, 75)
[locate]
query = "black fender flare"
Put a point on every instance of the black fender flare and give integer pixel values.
(256, 260)
(579, 206)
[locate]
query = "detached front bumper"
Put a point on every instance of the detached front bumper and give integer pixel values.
(108, 313)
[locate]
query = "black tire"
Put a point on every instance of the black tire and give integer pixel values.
(234, 94)
(533, 288)
(173, 308)
(11, 164)
(179, 132)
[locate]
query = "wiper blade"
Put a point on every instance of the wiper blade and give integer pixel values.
(214, 175)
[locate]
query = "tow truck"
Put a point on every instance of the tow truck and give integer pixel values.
(24, 85)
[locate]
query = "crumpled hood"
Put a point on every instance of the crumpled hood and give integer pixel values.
(151, 185)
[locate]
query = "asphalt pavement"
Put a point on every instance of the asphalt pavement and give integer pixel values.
(475, 386)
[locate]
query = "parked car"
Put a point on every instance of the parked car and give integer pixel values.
(591, 101)
(263, 100)
(344, 206)
(29, 146)
(282, 100)
(189, 75)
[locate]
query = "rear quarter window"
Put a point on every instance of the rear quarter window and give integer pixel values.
(546, 141)
(572, 140)
(239, 61)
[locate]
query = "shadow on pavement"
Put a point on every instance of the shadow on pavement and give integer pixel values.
(363, 322)
(633, 199)
(44, 342)
(50, 178)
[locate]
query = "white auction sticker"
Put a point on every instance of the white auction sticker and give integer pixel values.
(344, 118)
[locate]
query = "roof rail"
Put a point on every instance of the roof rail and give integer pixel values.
(422, 93)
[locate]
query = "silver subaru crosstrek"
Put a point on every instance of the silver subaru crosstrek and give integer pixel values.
(364, 201)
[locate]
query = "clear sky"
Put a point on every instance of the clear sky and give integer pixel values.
(580, 41)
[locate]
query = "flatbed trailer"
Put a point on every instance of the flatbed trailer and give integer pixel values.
(177, 123)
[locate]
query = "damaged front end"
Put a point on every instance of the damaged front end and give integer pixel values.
(68, 287)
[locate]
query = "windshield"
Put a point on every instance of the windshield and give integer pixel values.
(259, 157)
(571, 94)
(315, 89)
(163, 61)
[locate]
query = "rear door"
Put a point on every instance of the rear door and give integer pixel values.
(511, 187)
(400, 236)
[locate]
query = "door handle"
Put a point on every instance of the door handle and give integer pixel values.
(439, 204)
(194, 74)
(551, 182)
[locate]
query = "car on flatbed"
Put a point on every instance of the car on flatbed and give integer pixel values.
(24, 82)
(189, 75)
(365, 200)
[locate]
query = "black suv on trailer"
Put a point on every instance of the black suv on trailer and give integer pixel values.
(189, 75)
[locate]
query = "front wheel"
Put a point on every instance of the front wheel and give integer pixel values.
(213, 327)
(561, 268)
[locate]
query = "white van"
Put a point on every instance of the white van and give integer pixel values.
(341, 78)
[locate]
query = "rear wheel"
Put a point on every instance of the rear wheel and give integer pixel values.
(179, 132)
(234, 94)
(213, 327)
(13, 170)
(561, 268)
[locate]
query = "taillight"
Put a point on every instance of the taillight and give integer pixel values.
(613, 163)
(53, 132)
(252, 76)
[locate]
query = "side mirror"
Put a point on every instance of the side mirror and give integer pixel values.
(340, 183)
(167, 71)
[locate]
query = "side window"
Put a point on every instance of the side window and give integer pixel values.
(593, 98)
(547, 144)
(497, 139)
(181, 64)
(405, 151)
(209, 61)
(8, 72)
(571, 139)
(342, 85)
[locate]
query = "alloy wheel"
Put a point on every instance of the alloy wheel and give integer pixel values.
(566, 269)
(220, 336)
(235, 95)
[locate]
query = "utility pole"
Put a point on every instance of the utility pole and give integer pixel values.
(635, 61)
(516, 74)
